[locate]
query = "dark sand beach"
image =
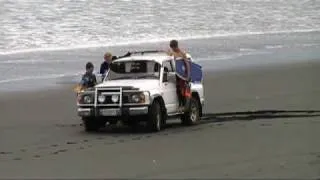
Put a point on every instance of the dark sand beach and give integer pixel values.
(260, 122)
(261, 63)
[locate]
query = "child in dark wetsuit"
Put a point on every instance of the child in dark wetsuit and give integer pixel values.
(88, 79)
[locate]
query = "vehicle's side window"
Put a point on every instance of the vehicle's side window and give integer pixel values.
(168, 65)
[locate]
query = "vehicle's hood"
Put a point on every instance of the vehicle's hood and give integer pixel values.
(141, 84)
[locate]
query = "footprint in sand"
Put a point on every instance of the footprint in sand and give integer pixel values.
(72, 142)
(60, 151)
(122, 141)
(5, 153)
(196, 129)
(109, 143)
(136, 138)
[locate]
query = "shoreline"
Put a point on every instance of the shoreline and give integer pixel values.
(58, 84)
(45, 69)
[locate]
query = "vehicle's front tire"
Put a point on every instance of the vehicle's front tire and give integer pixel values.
(155, 118)
(192, 116)
(91, 124)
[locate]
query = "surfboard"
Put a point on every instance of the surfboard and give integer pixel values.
(78, 88)
(196, 70)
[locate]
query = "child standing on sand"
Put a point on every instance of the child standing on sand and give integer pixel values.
(88, 80)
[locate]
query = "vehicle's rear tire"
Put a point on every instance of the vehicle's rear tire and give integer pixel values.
(155, 118)
(91, 124)
(192, 116)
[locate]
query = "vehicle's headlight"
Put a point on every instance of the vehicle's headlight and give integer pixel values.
(115, 98)
(141, 97)
(87, 99)
(136, 98)
(101, 98)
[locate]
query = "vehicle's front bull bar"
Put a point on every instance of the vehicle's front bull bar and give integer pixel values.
(123, 111)
(120, 93)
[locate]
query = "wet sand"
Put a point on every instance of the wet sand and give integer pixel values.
(260, 122)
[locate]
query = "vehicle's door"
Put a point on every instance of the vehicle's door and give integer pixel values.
(168, 87)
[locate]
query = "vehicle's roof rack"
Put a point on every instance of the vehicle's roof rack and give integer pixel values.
(147, 51)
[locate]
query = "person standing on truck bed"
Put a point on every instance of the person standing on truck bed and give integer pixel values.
(183, 89)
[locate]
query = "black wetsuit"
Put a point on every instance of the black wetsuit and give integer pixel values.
(88, 80)
(104, 67)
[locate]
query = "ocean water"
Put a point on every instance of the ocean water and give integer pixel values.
(33, 33)
(42, 24)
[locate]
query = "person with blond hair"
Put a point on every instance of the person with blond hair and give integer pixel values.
(104, 67)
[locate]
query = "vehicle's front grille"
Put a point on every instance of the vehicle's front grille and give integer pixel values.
(125, 99)
(122, 93)
(108, 93)
(107, 101)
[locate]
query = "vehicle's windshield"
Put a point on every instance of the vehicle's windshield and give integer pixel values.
(139, 69)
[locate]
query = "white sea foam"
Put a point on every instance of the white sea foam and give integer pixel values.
(230, 56)
(309, 44)
(22, 61)
(153, 41)
(35, 61)
(247, 49)
(51, 76)
(274, 46)
(291, 45)
(31, 26)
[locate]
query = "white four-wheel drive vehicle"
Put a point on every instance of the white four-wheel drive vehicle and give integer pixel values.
(141, 87)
